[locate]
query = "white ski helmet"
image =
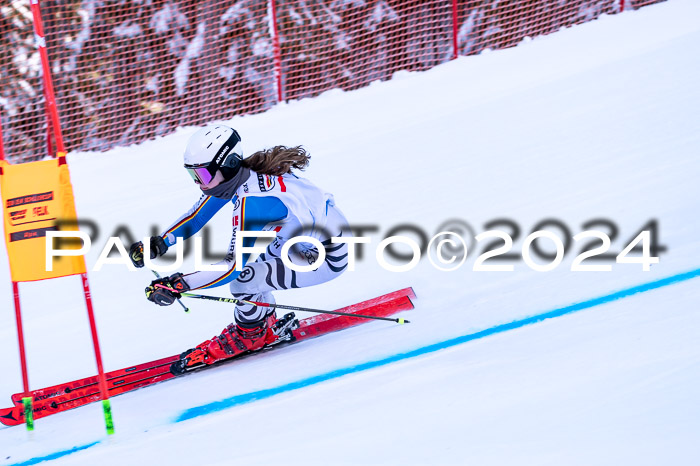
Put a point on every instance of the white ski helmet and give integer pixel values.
(212, 148)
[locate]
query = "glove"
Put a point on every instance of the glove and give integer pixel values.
(165, 297)
(158, 248)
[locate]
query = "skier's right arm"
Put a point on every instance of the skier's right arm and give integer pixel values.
(194, 219)
(184, 227)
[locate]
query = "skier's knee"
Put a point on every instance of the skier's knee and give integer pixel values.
(253, 309)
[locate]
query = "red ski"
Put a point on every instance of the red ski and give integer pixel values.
(62, 397)
(79, 387)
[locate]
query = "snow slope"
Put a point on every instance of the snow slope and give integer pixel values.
(597, 121)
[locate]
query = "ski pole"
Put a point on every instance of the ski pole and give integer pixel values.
(289, 308)
(178, 299)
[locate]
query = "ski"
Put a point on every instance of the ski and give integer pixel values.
(62, 397)
(78, 387)
(15, 415)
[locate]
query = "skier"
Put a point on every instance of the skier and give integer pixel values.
(266, 196)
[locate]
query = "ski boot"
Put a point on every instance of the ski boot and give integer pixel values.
(236, 340)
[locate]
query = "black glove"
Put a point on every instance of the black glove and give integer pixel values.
(158, 248)
(165, 297)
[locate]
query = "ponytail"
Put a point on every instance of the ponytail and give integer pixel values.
(278, 160)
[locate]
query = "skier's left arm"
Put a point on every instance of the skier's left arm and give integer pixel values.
(256, 213)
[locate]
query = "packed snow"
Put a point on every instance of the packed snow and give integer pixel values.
(599, 121)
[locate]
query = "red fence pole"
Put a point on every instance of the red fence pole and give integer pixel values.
(48, 84)
(276, 50)
(622, 6)
(455, 45)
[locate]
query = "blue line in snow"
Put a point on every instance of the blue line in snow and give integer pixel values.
(216, 406)
(55, 455)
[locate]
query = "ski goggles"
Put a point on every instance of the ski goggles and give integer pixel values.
(201, 174)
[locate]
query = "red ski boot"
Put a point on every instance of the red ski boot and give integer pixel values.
(234, 340)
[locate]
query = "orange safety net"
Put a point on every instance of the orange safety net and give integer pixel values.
(128, 71)
(348, 44)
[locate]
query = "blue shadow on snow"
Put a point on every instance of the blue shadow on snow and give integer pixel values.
(213, 407)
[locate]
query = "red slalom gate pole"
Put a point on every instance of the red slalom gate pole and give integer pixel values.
(49, 146)
(48, 84)
(27, 398)
(455, 45)
(107, 408)
(52, 111)
(276, 50)
(2, 147)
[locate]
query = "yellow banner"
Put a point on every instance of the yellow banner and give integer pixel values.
(37, 197)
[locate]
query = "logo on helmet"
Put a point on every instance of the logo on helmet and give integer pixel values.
(222, 156)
